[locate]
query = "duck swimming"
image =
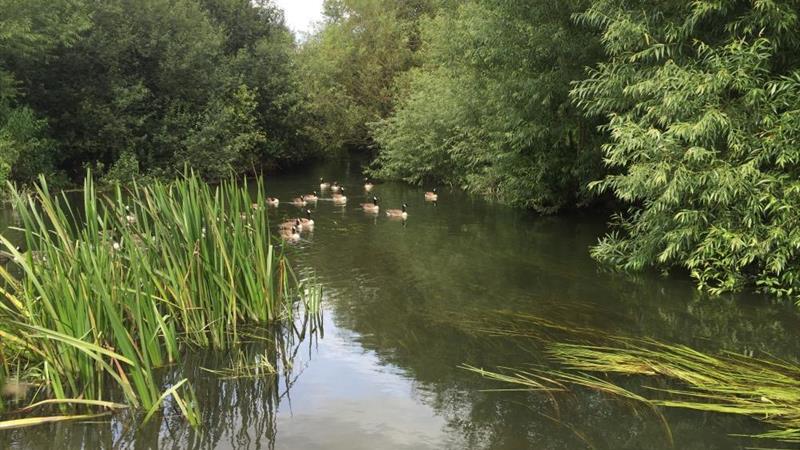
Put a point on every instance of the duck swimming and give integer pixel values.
(290, 235)
(339, 198)
(371, 207)
(399, 213)
(432, 196)
(294, 223)
(307, 223)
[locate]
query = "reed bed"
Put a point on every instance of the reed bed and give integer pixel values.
(108, 291)
(765, 389)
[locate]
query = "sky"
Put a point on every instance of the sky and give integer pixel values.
(300, 14)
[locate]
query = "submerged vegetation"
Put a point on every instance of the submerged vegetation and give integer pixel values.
(730, 383)
(764, 389)
(108, 291)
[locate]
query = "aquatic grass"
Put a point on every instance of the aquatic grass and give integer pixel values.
(765, 389)
(35, 421)
(110, 290)
(243, 366)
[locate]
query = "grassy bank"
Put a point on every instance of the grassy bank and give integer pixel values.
(108, 291)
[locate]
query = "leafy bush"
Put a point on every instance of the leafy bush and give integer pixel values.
(701, 99)
(124, 170)
(225, 139)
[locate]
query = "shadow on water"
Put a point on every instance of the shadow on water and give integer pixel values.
(386, 373)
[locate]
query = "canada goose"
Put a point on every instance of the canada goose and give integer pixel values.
(432, 196)
(339, 198)
(298, 201)
(371, 207)
(323, 185)
(290, 235)
(401, 213)
(272, 201)
(294, 223)
(307, 223)
(311, 197)
(368, 185)
(255, 206)
(335, 187)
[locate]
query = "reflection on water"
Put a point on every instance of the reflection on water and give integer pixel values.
(385, 373)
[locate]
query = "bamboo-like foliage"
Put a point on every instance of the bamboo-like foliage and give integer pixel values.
(106, 293)
(701, 99)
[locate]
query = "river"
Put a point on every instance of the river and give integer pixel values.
(385, 372)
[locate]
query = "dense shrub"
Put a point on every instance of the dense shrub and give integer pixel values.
(702, 101)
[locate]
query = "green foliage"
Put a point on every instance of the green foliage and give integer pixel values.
(261, 52)
(349, 66)
(23, 146)
(489, 110)
(701, 99)
(152, 81)
(124, 170)
(226, 138)
(106, 295)
(29, 29)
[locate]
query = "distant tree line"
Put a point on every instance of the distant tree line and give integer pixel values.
(686, 113)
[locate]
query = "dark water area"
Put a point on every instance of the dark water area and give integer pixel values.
(385, 373)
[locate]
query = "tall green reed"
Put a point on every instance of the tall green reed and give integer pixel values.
(112, 289)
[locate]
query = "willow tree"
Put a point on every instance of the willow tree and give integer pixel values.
(349, 65)
(702, 103)
(489, 110)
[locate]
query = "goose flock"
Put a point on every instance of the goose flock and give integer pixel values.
(290, 230)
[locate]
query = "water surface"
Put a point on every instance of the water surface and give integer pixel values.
(384, 374)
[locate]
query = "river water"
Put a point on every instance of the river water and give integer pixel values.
(383, 372)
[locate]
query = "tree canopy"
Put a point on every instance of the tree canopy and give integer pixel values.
(683, 113)
(701, 100)
(489, 109)
(145, 87)
(349, 66)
